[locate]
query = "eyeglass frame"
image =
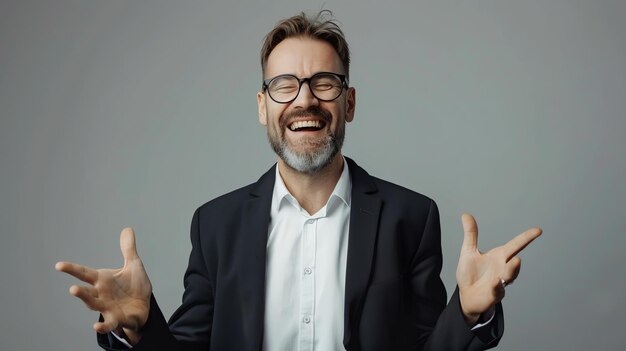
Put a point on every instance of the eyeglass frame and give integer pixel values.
(342, 77)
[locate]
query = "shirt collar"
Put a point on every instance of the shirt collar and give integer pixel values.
(343, 188)
(341, 191)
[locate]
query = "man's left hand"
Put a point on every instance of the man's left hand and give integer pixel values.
(482, 277)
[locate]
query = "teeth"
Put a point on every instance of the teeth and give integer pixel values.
(305, 124)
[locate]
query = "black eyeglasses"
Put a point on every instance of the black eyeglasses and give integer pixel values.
(325, 86)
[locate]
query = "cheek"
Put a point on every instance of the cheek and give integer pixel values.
(275, 113)
(274, 117)
(339, 114)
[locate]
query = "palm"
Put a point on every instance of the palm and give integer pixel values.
(476, 273)
(480, 275)
(122, 295)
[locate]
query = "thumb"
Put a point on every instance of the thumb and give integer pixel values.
(127, 244)
(470, 230)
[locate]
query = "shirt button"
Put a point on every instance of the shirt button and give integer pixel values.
(310, 221)
(308, 271)
(306, 320)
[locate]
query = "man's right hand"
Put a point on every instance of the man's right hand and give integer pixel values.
(121, 295)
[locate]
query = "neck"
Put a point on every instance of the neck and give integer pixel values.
(312, 190)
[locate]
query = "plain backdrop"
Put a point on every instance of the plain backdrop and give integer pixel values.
(134, 113)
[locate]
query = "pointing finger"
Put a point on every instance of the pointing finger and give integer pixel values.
(518, 243)
(84, 273)
(470, 230)
(127, 244)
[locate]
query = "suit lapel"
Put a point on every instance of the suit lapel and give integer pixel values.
(364, 217)
(256, 217)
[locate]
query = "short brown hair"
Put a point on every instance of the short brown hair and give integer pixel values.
(323, 27)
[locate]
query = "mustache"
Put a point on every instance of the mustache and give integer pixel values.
(312, 111)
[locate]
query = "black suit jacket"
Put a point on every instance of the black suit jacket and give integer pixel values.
(394, 298)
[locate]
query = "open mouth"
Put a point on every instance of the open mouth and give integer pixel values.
(306, 126)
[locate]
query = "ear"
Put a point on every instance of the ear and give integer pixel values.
(260, 100)
(350, 103)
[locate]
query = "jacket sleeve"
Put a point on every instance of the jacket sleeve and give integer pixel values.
(442, 326)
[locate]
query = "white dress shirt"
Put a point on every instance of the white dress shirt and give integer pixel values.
(306, 270)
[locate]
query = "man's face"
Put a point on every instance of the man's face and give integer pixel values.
(306, 133)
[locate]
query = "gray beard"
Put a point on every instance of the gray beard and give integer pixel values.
(309, 163)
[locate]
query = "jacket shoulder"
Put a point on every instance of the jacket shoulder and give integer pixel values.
(389, 192)
(227, 202)
(233, 201)
(388, 189)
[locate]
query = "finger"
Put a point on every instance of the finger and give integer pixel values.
(498, 291)
(470, 231)
(84, 273)
(88, 295)
(511, 270)
(108, 324)
(127, 244)
(518, 243)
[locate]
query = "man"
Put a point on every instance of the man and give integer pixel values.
(317, 254)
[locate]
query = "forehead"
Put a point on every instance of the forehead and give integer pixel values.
(303, 57)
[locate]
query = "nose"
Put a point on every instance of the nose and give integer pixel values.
(305, 97)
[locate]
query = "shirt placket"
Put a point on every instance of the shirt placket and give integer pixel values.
(307, 298)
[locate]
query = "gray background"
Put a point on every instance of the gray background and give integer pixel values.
(133, 113)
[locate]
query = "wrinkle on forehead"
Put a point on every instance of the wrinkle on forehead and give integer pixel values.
(302, 57)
